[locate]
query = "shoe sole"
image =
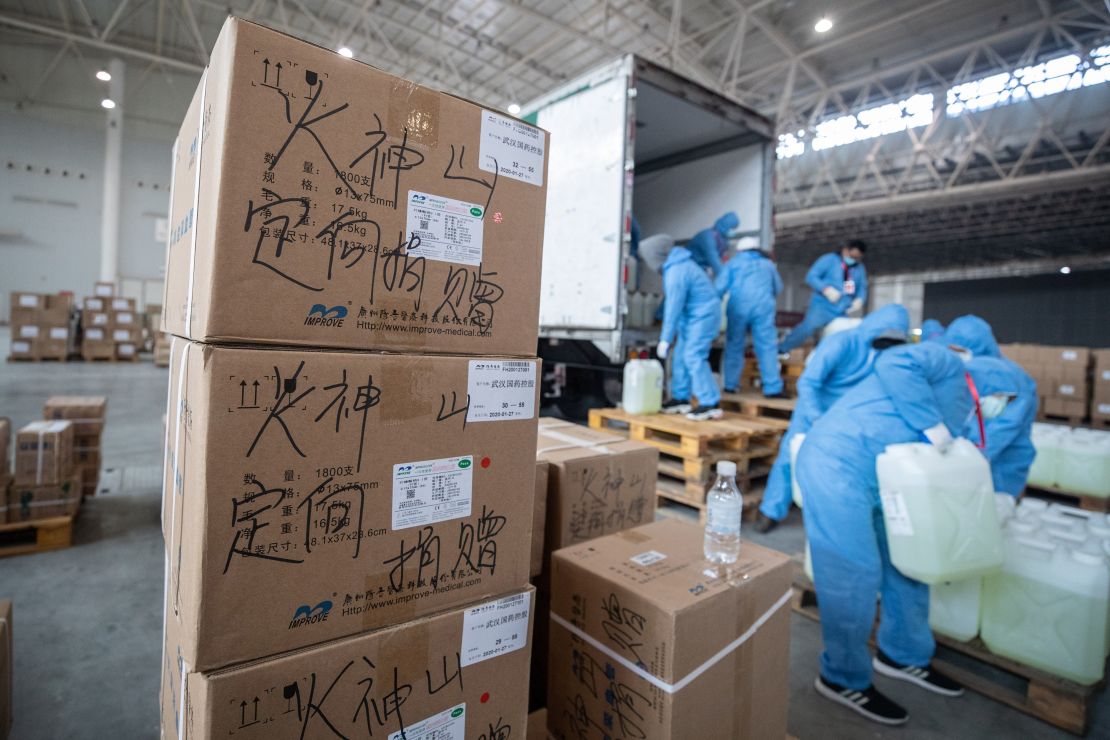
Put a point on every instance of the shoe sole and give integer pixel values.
(890, 672)
(837, 698)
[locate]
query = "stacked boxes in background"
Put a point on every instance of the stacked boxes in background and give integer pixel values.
(41, 326)
(791, 369)
(127, 328)
(1061, 374)
(112, 328)
(5, 466)
(46, 483)
(1100, 387)
(96, 329)
(371, 511)
(87, 414)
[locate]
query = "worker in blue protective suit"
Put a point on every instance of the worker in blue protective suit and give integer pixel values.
(709, 245)
(839, 283)
(1008, 399)
(751, 281)
(691, 321)
(917, 392)
(932, 331)
(837, 365)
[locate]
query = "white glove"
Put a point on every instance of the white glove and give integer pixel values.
(940, 437)
(832, 294)
(662, 349)
(857, 304)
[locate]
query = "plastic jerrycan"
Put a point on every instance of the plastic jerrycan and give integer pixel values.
(1047, 439)
(1047, 608)
(954, 608)
(643, 387)
(795, 447)
(939, 510)
(1084, 463)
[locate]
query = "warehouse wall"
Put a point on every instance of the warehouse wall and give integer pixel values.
(50, 204)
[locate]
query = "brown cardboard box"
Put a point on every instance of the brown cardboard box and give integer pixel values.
(23, 301)
(537, 725)
(539, 518)
(126, 320)
(279, 459)
(97, 349)
(27, 503)
(7, 661)
(119, 334)
(1075, 408)
(118, 304)
(58, 308)
(127, 350)
(1100, 387)
(644, 596)
(5, 447)
(86, 412)
(44, 453)
(453, 675)
(53, 349)
(96, 334)
(23, 349)
(413, 241)
(30, 332)
(94, 304)
(104, 289)
(598, 482)
(101, 319)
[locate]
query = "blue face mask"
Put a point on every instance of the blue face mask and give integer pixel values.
(850, 261)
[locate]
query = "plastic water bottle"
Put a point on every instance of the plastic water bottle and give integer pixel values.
(722, 521)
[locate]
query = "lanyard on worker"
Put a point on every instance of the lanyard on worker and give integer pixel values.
(849, 283)
(978, 411)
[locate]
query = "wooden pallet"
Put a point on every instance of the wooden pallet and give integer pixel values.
(1100, 504)
(37, 535)
(675, 492)
(703, 469)
(55, 358)
(1075, 421)
(755, 404)
(1037, 693)
(678, 436)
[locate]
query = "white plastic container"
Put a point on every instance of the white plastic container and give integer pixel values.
(954, 608)
(939, 510)
(636, 309)
(1047, 608)
(1084, 463)
(643, 387)
(795, 446)
(1047, 439)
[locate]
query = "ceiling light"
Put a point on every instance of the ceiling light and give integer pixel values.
(103, 75)
(108, 103)
(1065, 270)
(345, 52)
(514, 109)
(822, 25)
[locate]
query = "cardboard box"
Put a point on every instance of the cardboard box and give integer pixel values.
(22, 301)
(119, 304)
(1074, 408)
(644, 596)
(101, 319)
(5, 447)
(1100, 386)
(104, 289)
(537, 725)
(23, 349)
(26, 331)
(126, 320)
(27, 503)
(53, 349)
(449, 676)
(97, 349)
(93, 304)
(425, 212)
(599, 482)
(295, 476)
(539, 518)
(58, 308)
(7, 661)
(86, 412)
(44, 453)
(127, 350)
(131, 336)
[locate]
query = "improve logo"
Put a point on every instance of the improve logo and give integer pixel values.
(321, 315)
(306, 614)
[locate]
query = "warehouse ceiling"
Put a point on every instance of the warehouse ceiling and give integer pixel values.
(765, 53)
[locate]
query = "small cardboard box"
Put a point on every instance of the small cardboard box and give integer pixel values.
(599, 482)
(54, 349)
(394, 485)
(22, 301)
(44, 453)
(58, 308)
(7, 661)
(379, 214)
(104, 289)
(127, 350)
(716, 644)
(28, 503)
(539, 518)
(1100, 386)
(97, 349)
(1075, 408)
(26, 331)
(86, 412)
(93, 304)
(450, 676)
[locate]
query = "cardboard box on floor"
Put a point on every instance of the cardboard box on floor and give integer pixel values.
(86, 412)
(340, 206)
(44, 453)
(7, 661)
(643, 596)
(453, 675)
(364, 480)
(29, 502)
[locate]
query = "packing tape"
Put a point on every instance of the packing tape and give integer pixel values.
(178, 465)
(575, 442)
(673, 688)
(196, 203)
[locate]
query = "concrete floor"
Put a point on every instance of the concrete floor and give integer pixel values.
(88, 618)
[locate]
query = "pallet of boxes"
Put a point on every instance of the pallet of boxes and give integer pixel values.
(351, 435)
(1062, 377)
(45, 493)
(41, 326)
(87, 414)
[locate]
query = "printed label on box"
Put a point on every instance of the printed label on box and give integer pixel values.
(121, 304)
(100, 319)
(648, 558)
(516, 147)
(1106, 374)
(28, 332)
(1104, 408)
(125, 318)
(1069, 354)
(501, 390)
(94, 304)
(432, 491)
(495, 628)
(28, 301)
(126, 350)
(59, 332)
(896, 514)
(104, 290)
(21, 347)
(444, 229)
(450, 724)
(1067, 390)
(94, 334)
(121, 335)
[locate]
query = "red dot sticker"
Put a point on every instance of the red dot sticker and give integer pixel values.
(485, 462)
(485, 697)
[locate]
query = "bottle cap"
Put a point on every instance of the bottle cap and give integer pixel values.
(726, 467)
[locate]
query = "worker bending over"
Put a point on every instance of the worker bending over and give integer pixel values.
(932, 331)
(709, 245)
(751, 281)
(839, 283)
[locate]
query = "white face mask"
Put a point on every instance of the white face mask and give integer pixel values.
(993, 405)
(964, 354)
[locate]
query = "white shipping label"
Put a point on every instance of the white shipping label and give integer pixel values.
(1067, 390)
(100, 319)
(120, 304)
(450, 724)
(125, 350)
(444, 229)
(94, 304)
(1106, 374)
(432, 491)
(94, 334)
(125, 318)
(21, 346)
(896, 514)
(1104, 408)
(511, 148)
(501, 389)
(28, 301)
(121, 335)
(59, 332)
(28, 332)
(1070, 355)
(648, 558)
(104, 291)
(495, 628)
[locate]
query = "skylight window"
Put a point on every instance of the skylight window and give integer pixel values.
(878, 121)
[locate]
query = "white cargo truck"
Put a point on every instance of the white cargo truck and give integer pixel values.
(631, 139)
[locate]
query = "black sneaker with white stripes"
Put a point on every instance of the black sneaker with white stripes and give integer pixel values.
(866, 702)
(927, 678)
(705, 413)
(677, 406)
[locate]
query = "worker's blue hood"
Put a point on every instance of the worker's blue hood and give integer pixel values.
(677, 256)
(726, 223)
(972, 333)
(932, 331)
(891, 316)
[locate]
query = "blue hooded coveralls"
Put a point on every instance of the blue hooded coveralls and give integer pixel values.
(691, 321)
(829, 270)
(752, 283)
(837, 365)
(913, 388)
(1009, 436)
(932, 331)
(709, 244)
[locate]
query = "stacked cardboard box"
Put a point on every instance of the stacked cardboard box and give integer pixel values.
(88, 414)
(112, 328)
(41, 326)
(5, 466)
(7, 661)
(1100, 387)
(46, 482)
(1061, 374)
(647, 642)
(369, 511)
(790, 368)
